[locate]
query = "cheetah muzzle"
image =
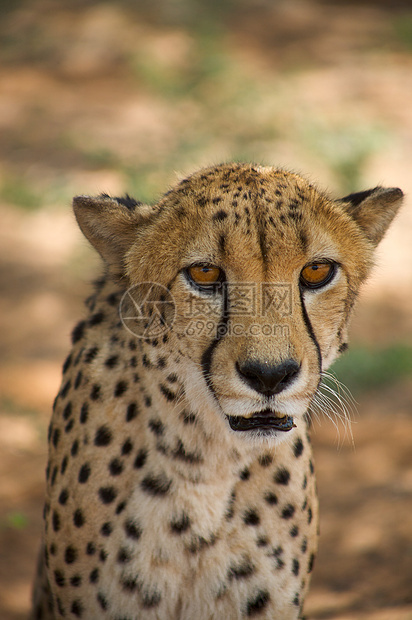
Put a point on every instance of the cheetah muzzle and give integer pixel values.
(180, 479)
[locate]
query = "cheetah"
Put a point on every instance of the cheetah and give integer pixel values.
(180, 481)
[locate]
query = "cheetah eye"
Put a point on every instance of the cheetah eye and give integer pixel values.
(317, 275)
(205, 276)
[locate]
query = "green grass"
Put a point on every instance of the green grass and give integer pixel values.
(17, 191)
(363, 370)
(403, 30)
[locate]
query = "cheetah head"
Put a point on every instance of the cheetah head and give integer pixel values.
(263, 270)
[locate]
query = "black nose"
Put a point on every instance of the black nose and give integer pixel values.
(267, 379)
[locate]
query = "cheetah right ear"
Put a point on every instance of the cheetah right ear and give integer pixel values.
(110, 224)
(373, 210)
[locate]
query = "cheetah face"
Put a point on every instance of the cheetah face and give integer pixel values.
(263, 270)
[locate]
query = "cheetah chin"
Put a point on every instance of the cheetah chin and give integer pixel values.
(262, 421)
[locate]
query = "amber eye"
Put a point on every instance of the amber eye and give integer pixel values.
(317, 274)
(205, 275)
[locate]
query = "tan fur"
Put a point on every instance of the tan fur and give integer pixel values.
(155, 508)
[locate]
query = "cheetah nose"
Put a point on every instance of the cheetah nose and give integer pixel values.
(266, 379)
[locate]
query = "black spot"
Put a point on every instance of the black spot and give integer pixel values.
(102, 555)
(310, 516)
(76, 581)
(296, 601)
(69, 426)
(129, 584)
(54, 475)
(78, 332)
(67, 411)
(180, 452)
(257, 603)
(101, 599)
(219, 216)
(107, 495)
(56, 437)
(95, 392)
(120, 507)
(103, 436)
(63, 466)
(132, 529)
(66, 387)
(120, 388)
(343, 347)
(295, 567)
(67, 363)
(168, 394)
(70, 554)
(298, 447)
(140, 459)
(148, 401)
(106, 529)
(294, 531)
(115, 467)
(180, 524)
(84, 473)
(84, 413)
(265, 460)
(112, 361)
(157, 427)
(77, 608)
(271, 498)
(90, 549)
(311, 563)
(59, 578)
(90, 355)
(305, 482)
(132, 412)
(127, 447)
(56, 521)
(75, 448)
(146, 362)
(172, 377)
(78, 518)
(251, 517)
(188, 418)
(161, 362)
(262, 541)
(112, 299)
(156, 485)
(151, 600)
(63, 497)
(123, 556)
(282, 476)
(311, 467)
(304, 546)
(245, 474)
(96, 318)
(288, 512)
(94, 575)
(241, 571)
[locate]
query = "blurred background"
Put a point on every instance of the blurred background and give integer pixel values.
(127, 96)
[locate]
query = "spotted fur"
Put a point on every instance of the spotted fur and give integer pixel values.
(156, 508)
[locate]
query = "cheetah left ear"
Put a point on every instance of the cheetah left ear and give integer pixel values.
(373, 210)
(110, 224)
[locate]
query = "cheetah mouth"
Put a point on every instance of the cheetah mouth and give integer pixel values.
(264, 420)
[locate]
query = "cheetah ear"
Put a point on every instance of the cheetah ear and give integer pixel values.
(373, 210)
(110, 224)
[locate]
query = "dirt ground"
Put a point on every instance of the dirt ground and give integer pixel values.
(339, 60)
